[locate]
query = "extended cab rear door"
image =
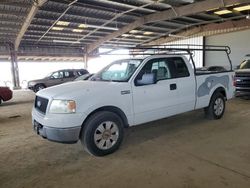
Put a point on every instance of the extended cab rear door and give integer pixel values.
(173, 91)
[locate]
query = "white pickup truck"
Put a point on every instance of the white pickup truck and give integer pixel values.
(126, 93)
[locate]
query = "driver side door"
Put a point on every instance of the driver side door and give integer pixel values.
(155, 100)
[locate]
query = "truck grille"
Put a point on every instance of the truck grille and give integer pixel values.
(41, 104)
(242, 81)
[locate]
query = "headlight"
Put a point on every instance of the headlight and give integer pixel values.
(62, 107)
(31, 83)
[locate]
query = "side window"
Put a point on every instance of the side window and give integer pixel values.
(57, 75)
(68, 74)
(180, 67)
(159, 68)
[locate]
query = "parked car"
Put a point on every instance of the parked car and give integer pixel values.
(55, 78)
(126, 93)
(5, 94)
(242, 79)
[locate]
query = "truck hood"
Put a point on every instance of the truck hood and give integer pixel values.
(72, 90)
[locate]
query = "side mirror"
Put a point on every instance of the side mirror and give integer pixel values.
(147, 79)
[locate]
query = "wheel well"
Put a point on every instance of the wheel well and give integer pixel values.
(222, 91)
(40, 84)
(113, 109)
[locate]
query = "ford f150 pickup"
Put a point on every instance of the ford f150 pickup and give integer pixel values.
(126, 93)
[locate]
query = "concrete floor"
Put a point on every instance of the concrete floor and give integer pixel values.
(182, 151)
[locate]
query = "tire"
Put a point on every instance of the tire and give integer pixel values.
(102, 134)
(39, 87)
(1, 100)
(216, 107)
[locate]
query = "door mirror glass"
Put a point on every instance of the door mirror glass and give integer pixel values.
(147, 79)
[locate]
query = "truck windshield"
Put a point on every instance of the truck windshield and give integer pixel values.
(245, 64)
(119, 71)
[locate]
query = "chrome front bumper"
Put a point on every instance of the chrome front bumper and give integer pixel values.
(62, 135)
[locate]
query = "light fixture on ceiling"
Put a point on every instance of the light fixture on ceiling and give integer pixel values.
(77, 30)
(148, 33)
(63, 23)
(125, 35)
(177, 36)
(57, 28)
(242, 8)
(222, 12)
(83, 26)
(97, 27)
(134, 31)
(103, 27)
(139, 36)
(66, 41)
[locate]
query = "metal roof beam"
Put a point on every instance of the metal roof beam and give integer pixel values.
(28, 20)
(207, 30)
(125, 5)
(9, 27)
(61, 15)
(16, 4)
(14, 13)
(114, 18)
(186, 10)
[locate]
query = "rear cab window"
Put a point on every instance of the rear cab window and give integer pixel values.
(180, 66)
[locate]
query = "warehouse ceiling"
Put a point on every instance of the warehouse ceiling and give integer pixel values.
(71, 28)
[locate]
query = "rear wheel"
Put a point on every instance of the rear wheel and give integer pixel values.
(39, 87)
(102, 133)
(1, 100)
(216, 107)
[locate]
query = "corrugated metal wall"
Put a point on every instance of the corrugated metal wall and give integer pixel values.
(198, 55)
(239, 42)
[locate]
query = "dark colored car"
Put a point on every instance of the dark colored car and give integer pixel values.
(55, 78)
(242, 79)
(5, 94)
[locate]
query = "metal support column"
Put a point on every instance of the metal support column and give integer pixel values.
(14, 68)
(86, 58)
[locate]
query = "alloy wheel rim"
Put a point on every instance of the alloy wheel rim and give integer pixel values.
(218, 106)
(106, 135)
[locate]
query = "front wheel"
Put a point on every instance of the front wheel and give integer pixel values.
(102, 134)
(39, 87)
(216, 107)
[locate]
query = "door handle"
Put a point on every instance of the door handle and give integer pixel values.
(173, 86)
